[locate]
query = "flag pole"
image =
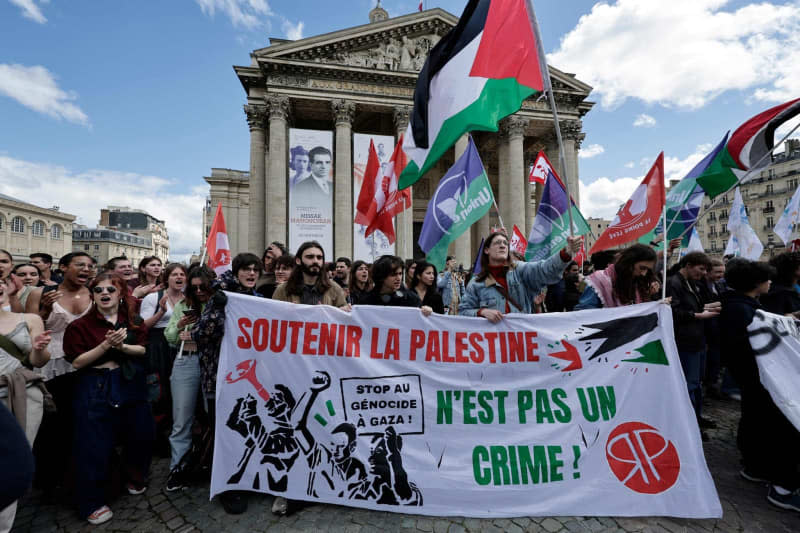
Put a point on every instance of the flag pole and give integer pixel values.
(666, 247)
(500, 218)
(752, 169)
(548, 88)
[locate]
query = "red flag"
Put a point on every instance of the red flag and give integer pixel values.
(540, 169)
(580, 257)
(366, 206)
(420, 5)
(640, 214)
(217, 248)
(518, 242)
(388, 201)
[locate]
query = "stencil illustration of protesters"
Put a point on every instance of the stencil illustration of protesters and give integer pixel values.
(334, 471)
(281, 446)
(387, 481)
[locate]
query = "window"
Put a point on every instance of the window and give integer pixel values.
(55, 232)
(18, 225)
(770, 222)
(1, 222)
(724, 228)
(769, 188)
(37, 228)
(792, 184)
(724, 244)
(85, 246)
(96, 246)
(769, 203)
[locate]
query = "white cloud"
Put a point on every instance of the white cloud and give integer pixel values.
(248, 14)
(604, 196)
(590, 151)
(630, 164)
(685, 55)
(83, 194)
(36, 88)
(30, 10)
(293, 32)
(644, 121)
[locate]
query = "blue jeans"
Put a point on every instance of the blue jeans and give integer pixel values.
(185, 383)
(109, 409)
(693, 364)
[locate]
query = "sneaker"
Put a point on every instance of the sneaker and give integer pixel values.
(280, 506)
(789, 501)
(100, 516)
(174, 481)
(233, 501)
(134, 489)
(751, 476)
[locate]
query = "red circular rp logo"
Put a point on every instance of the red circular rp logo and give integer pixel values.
(642, 459)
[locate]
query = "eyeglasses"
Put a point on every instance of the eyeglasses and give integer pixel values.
(101, 290)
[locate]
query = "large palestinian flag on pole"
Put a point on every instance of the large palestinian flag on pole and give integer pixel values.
(477, 74)
(746, 148)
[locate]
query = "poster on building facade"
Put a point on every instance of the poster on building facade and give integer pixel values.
(311, 189)
(376, 244)
(565, 414)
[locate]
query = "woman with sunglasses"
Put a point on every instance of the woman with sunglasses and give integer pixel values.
(106, 346)
(185, 378)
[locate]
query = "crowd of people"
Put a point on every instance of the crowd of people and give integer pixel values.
(96, 360)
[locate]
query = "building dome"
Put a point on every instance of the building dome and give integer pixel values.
(378, 14)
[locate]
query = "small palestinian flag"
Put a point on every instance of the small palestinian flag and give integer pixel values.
(476, 75)
(747, 146)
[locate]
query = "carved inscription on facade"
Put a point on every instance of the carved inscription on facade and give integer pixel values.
(354, 86)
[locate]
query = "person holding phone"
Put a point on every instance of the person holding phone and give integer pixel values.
(185, 377)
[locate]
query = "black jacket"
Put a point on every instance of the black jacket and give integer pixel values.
(686, 301)
(781, 300)
(399, 298)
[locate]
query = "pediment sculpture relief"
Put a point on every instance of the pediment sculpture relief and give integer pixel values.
(406, 54)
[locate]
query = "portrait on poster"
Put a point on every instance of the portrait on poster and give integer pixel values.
(310, 181)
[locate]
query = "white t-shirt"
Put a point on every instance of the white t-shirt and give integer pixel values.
(149, 308)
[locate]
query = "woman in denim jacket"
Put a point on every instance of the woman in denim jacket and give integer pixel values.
(508, 286)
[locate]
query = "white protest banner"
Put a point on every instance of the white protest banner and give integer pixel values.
(775, 339)
(582, 413)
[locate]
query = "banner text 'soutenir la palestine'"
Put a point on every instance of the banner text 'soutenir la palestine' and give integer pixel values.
(339, 340)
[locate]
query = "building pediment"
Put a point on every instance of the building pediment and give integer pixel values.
(399, 44)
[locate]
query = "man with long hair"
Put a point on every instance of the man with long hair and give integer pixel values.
(309, 284)
(509, 286)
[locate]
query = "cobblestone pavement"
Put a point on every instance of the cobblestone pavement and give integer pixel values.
(744, 505)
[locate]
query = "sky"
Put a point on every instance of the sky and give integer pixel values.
(132, 103)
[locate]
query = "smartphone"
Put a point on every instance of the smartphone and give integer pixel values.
(192, 313)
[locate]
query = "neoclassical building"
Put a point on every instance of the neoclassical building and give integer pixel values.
(361, 80)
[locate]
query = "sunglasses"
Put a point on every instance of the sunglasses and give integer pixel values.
(101, 290)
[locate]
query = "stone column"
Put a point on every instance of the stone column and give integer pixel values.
(276, 199)
(404, 221)
(512, 172)
(530, 212)
(343, 112)
(462, 248)
(572, 137)
(256, 118)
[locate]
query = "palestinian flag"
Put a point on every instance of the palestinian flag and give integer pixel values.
(476, 75)
(746, 147)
